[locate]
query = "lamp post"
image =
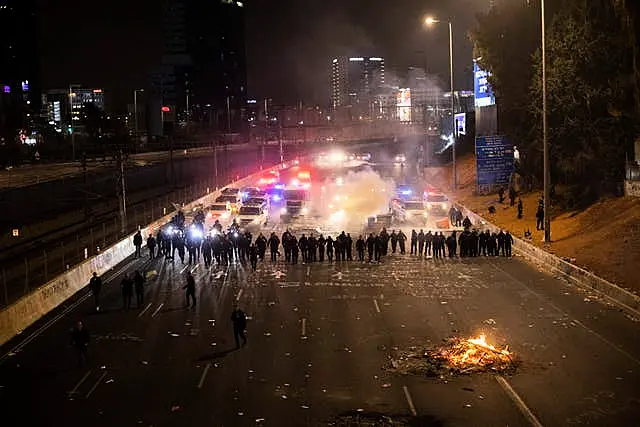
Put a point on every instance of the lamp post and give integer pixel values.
(135, 111)
(545, 143)
(431, 21)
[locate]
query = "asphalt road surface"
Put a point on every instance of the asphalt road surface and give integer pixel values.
(321, 339)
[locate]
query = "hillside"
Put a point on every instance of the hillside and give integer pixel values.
(604, 238)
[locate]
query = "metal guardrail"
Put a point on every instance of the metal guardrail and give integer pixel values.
(633, 172)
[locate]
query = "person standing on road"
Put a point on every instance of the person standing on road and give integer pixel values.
(191, 289)
(95, 284)
(127, 291)
(428, 239)
(420, 242)
(137, 242)
(349, 246)
(414, 242)
(371, 242)
(274, 242)
(321, 245)
(80, 341)
(151, 244)
(512, 196)
(501, 249)
(360, 245)
(239, 320)
(394, 241)
(329, 243)
(401, 239)
(253, 256)
(508, 242)
(138, 281)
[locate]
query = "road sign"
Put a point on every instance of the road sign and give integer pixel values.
(494, 160)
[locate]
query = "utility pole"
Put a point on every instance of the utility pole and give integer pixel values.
(545, 142)
(122, 193)
(85, 175)
(280, 139)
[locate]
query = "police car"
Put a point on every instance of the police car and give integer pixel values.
(253, 214)
(437, 203)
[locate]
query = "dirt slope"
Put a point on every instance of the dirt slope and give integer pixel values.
(604, 238)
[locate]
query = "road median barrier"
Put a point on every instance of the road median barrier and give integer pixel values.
(30, 308)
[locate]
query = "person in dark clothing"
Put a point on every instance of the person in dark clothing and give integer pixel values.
(401, 239)
(452, 215)
(458, 218)
(508, 242)
(127, 291)
(274, 242)
(466, 223)
(500, 244)
(191, 289)
(80, 340)
(253, 256)
(312, 246)
(540, 217)
(95, 284)
(414, 242)
(436, 246)
(394, 241)
(428, 240)
(379, 249)
(138, 282)
(303, 245)
(329, 243)
(349, 245)
(482, 244)
(261, 243)
(371, 242)
(151, 245)
(453, 245)
(295, 250)
(239, 320)
(137, 242)
(501, 195)
(321, 248)
(512, 196)
(360, 245)
(520, 208)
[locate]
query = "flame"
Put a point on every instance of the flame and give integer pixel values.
(476, 351)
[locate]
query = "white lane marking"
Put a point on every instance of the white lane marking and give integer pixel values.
(157, 309)
(83, 379)
(576, 321)
(375, 302)
(308, 271)
(104, 374)
(184, 269)
(51, 322)
(204, 375)
(239, 295)
(195, 268)
(410, 401)
(145, 310)
(304, 327)
(533, 420)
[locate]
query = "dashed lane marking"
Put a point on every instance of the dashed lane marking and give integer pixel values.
(75, 389)
(195, 268)
(92, 389)
(515, 397)
(51, 322)
(145, 310)
(304, 327)
(375, 302)
(204, 375)
(407, 395)
(184, 269)
(157, 309)
(239, 295)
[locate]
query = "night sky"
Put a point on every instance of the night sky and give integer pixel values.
(289, 42)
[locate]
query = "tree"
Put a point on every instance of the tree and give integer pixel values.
(505, 39)
(591, 102)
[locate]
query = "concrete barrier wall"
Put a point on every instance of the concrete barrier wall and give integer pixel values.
(30, 308)
(583, 278)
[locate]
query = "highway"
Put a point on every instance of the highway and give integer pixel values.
(323, 340)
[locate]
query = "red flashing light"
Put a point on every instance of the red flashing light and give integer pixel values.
(304, 175)
(166, 109)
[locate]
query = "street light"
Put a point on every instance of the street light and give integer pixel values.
(545, 143)
(135, 110)
(429, 21)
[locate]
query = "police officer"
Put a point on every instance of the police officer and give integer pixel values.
(239, 321)
(95, 284)
(137, 242)
(191, 289)
(360, 245)
(401, 239)
(414, 242)
(127, 291)
(274, 242)
(321, 246)
(420, 242)
(394, 241)
(253, 256)
(151, 244)
(428, 240)
(508, 242)
(329, 243)
(348, 245)
(371, 242)
(138, 281)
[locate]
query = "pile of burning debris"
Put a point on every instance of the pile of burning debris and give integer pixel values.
(457, 356)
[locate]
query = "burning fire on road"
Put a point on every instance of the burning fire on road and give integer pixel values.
(457, 356)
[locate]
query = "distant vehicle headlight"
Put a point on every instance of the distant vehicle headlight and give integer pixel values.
(304, 211)
(283, 210)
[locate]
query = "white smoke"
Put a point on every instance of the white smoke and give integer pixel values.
(347, 200)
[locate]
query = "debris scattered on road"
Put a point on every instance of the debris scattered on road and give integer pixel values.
(260, 420)
(304, 407)
(144, 362)
(386, 385)
(173, 334)
(490, 322)
(267, 334)
(284, 396)
(176, 408)
(109, 381)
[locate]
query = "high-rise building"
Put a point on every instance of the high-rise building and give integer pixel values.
(355, 82)
(204, 65)
(62, 107)
(18, 66)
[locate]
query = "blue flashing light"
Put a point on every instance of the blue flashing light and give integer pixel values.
(279, 186)
(276, 198)
(406, 192)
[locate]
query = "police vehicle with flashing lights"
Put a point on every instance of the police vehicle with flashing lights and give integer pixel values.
(437, 204)
(253, 214)
(409, 211)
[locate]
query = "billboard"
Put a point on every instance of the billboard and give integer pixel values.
(483, 94)
(494, 160)
(403, 103)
